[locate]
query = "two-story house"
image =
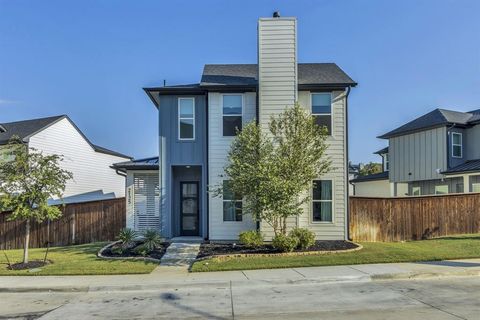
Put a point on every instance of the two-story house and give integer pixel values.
(437, 153)
(198, 122)
(91, 165)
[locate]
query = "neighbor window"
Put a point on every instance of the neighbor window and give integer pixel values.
(186, 118)
(475, 187)
(322, 110)
(416, 191)
(322, 201)
(232, 114)
(443, 189)
(457, 145)
(386, 162)
(232, 204)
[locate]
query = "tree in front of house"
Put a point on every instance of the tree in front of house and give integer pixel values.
(370, 168)
(27, 181)
(273, 171)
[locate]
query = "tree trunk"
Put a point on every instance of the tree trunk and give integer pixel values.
(27, 240)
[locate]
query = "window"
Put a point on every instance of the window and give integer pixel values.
(457, 145)
(322, 201)
(475, 187)
(322, 110)
(443, 189)
(186, 118)
(232, 114)
(232, 204)
(416, 191)
(386, 162)
(459, 187)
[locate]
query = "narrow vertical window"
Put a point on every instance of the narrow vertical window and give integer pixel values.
(386, 162)
(322, 201)
(186, 118)
(457, 145)
(322, 110)
(232, 105)
(232, 204)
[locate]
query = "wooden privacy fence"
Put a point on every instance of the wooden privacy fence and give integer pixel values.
(413, 218)
(80, 223)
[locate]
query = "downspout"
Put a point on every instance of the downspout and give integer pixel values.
(347, 191)
(207, 198)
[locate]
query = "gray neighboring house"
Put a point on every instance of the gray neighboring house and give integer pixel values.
(197, 124)
(437, 153)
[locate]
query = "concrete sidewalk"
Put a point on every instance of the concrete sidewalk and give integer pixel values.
(178, 277)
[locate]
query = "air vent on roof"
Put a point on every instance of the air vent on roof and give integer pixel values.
(2, 129)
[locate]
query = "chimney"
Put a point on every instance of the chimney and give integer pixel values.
(277, 65)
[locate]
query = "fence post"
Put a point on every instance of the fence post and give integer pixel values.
(72, 223)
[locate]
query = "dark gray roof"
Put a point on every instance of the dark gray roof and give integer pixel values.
(371, 177)
(247, 75)
(27, 128)
(382, 151)
(138, 164)
(435, 118)
(468, 166)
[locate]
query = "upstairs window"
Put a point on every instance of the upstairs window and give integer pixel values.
(186, 118)
(232, 105)
(322, 110)
(457, 145)
(322, 201)
(232, 204)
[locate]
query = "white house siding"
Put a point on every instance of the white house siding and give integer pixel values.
(376, 188)
(93, 179)
(218, 147)
(417, 156)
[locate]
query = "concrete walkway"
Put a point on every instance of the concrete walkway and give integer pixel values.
(181, 254)
(178, 277)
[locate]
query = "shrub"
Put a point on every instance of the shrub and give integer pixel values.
(117, 250)
(127, 237)
(251, 238)
(284, 243)
(151, 240)
(306, 238)
(141, 250)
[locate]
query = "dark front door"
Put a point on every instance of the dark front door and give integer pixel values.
(189, 209)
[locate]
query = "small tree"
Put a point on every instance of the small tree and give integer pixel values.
(26, 184)
(273, 172)
(370, 168)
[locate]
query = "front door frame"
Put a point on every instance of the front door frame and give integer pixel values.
(188, 232)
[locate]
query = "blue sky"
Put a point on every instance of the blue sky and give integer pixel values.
(90, 59)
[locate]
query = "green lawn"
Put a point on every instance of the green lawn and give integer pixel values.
(74, 260)
(458, 247)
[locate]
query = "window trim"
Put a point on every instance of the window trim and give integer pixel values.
(330, 134)
(231, 115)
(332, 201)
(419, 191)
(179, 118)
(457, 145)
(442, 185)
(233, 201)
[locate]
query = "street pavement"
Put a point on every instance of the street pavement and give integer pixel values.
(445, 298)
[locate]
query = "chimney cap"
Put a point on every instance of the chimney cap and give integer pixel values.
(276, 14)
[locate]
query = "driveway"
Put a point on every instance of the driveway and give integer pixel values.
(447, 298)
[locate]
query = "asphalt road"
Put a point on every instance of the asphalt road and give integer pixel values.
(452, 298)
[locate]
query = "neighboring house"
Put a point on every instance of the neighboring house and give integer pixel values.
(353, 172)
(378, 184)
(437, 153)
(197, 124)
(93, 176)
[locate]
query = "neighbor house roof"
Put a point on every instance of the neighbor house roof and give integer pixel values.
(309, 74)
(468, 166)
(371, 177)
(435, 118)
(138, 164)
(382, 151)
(27, 128)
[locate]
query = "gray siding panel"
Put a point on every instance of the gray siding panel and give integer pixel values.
(417, 156)
(471, 145)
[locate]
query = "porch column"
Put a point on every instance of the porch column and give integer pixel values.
(466, 183)
(162, 180)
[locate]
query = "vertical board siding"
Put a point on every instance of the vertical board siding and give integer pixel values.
(402, 219)
(80, 223)
(417, 156)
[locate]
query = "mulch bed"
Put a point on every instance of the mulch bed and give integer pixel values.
(156, 254)
(30, 265)
(216, 248)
